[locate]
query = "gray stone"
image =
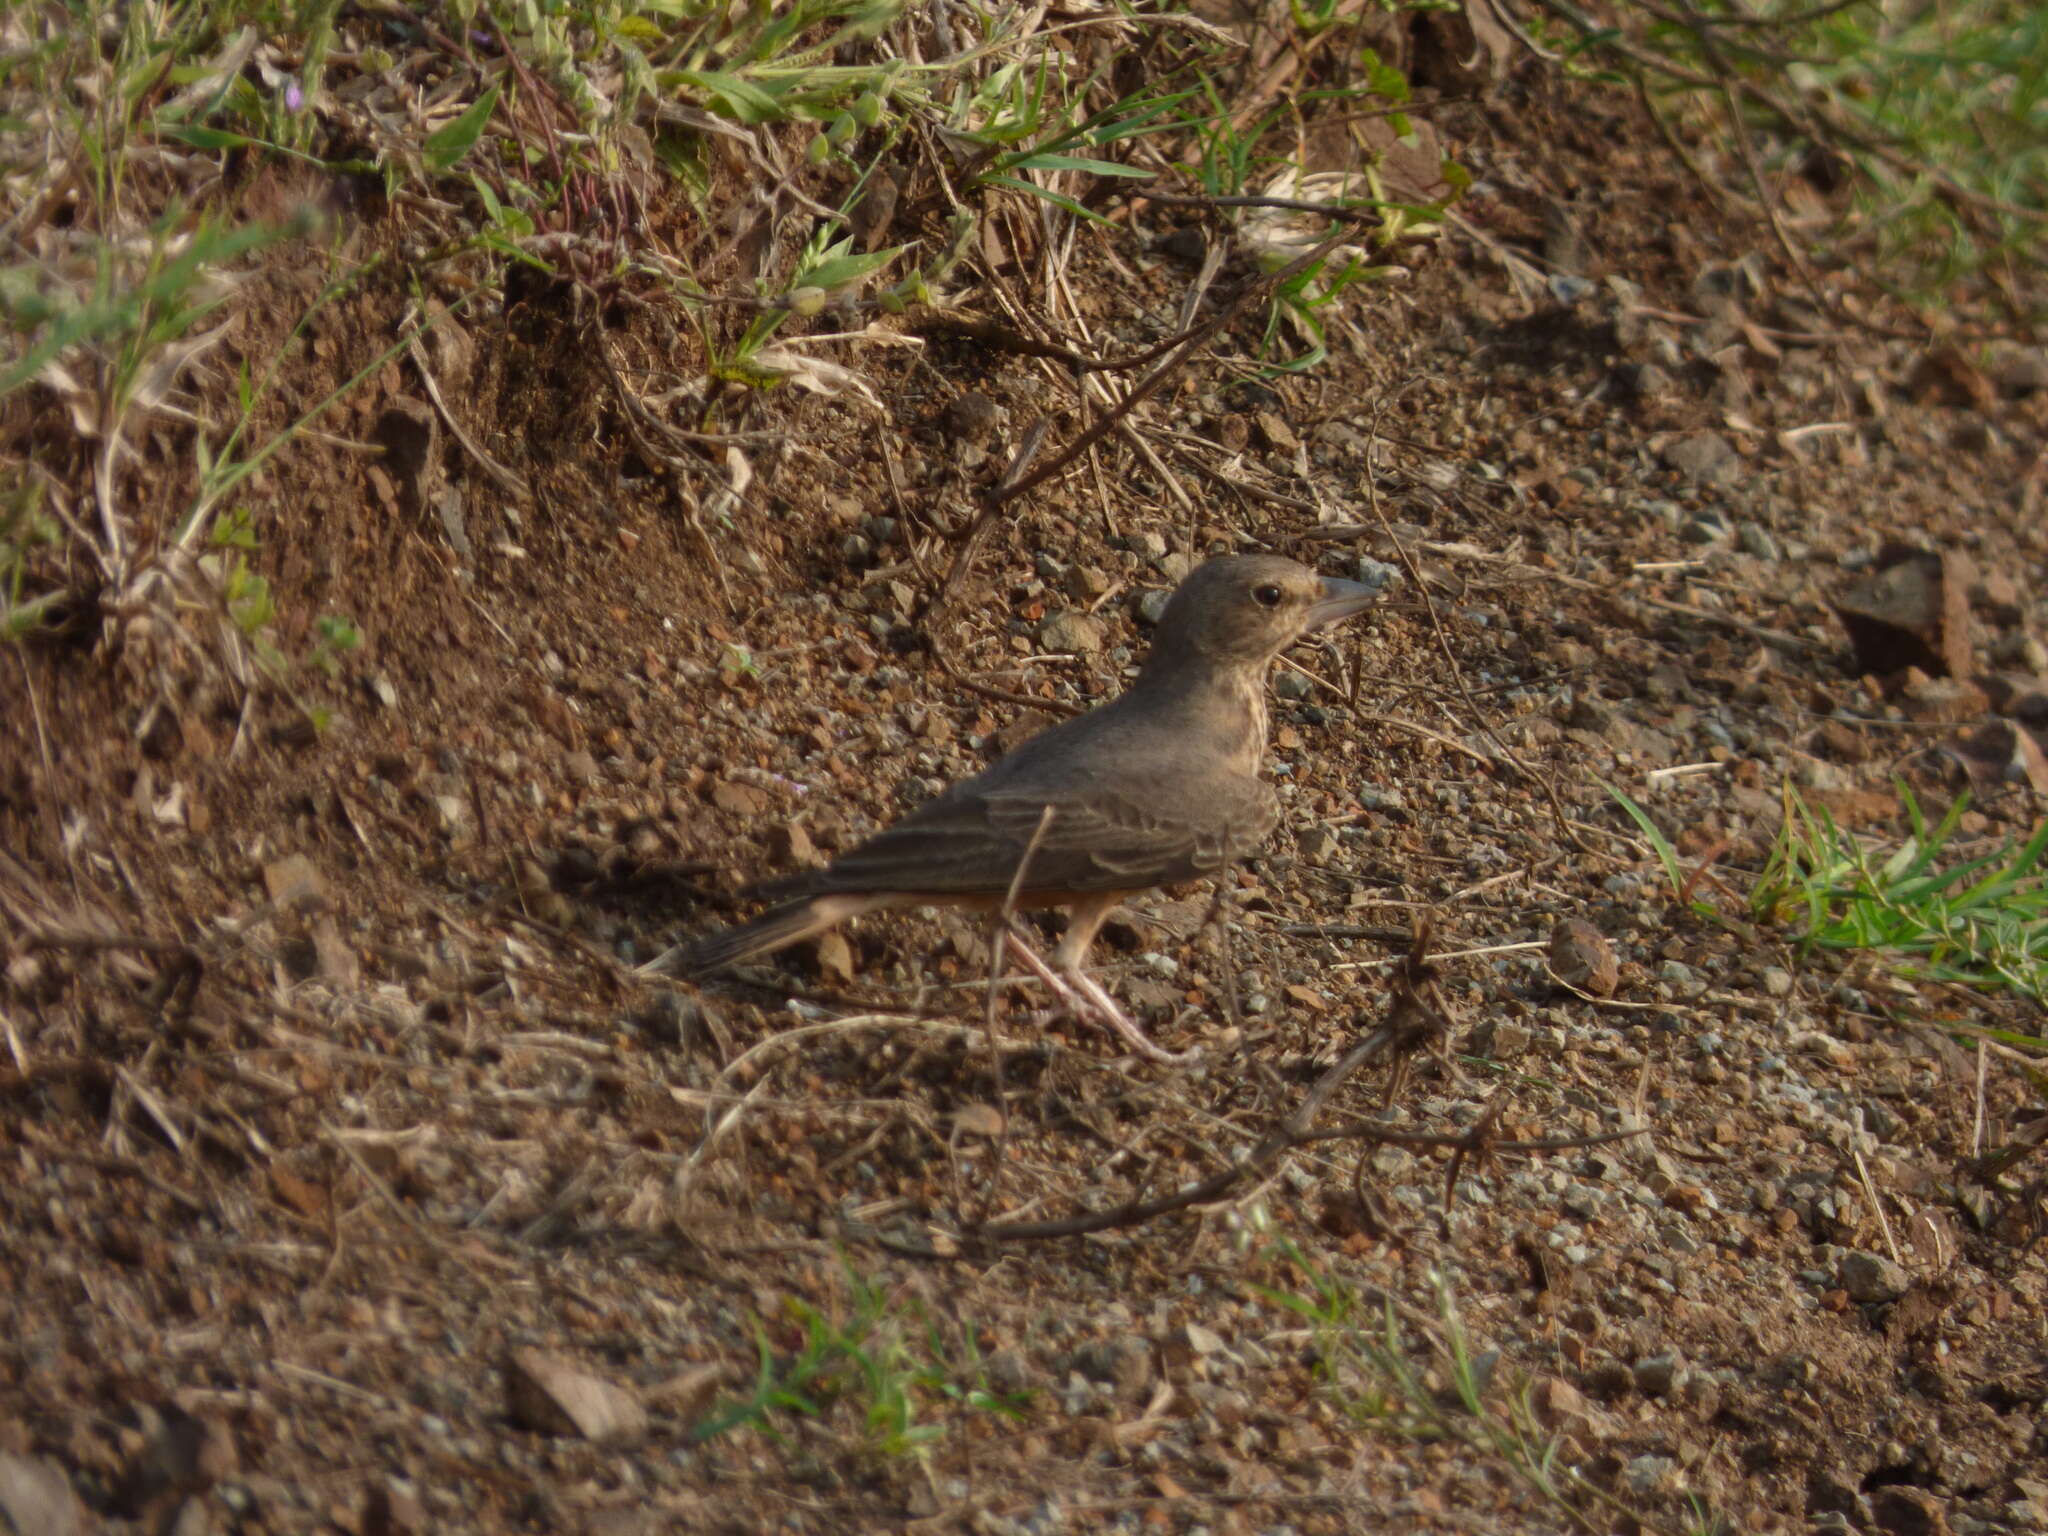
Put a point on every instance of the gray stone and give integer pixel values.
(1071, 634)
(1661, 1374)
(1317, 845)
(1650, 1475)
(1704, 457)
(1757, 540)
(1666, 511)
(1376, 574)
(35, 1496)
(1870, 1277)
(1683, 979)
(1709, 525)
(1641, 381)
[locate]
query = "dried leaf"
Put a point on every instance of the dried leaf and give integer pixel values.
(552, 1396)
(812, 373)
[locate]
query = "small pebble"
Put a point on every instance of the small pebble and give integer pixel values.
(1376, 574)
(1660, 1374)
(1071, 634)
(1757, 540)
(1870, 1277)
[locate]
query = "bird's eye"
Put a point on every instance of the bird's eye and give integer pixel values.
(1267, 596)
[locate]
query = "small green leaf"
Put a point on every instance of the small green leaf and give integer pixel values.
(233, 531)
(449, 144)
(1054, 198)
(841, 270)
(1077, 163)
(339, 631)
(1385, 80)
(741, 99)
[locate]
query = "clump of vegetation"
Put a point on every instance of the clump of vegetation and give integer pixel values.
(883, 1360)
(537, 139)
(1981, 921)
(1432, 1384)
(1935, 116)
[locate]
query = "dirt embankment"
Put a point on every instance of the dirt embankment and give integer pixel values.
(354, 1180)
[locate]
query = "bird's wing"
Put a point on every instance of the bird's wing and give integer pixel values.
(969, 842)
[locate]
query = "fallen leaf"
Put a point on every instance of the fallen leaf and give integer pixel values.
(1945, 377)
(554, 1397)
(302, 1195)
(1581, 957)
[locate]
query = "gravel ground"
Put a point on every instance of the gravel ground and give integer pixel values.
(357, 1182)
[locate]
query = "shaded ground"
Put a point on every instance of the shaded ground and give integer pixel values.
(331, 1085)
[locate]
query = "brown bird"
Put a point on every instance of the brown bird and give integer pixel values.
(1159, 786)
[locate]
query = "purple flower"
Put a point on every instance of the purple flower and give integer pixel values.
(294, 98)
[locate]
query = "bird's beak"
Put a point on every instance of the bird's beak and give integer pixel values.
(1339, 601)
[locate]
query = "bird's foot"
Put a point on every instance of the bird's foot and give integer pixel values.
(1081, 994)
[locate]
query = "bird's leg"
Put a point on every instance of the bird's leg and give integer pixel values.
(1219, 914)
(1092, 999)
(1045, 973)
(1113, 1016)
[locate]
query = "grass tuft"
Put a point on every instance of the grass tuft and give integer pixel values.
(1936, 116)
(1435, 1386)
(1980, 921)
(883, 1359)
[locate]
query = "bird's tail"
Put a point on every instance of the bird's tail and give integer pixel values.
(777, 928)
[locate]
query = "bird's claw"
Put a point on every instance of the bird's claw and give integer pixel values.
(1081, 994)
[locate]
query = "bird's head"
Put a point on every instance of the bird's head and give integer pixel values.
(1243, 610)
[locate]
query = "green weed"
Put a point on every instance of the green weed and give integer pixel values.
(117, 279)
(1667, 855)
(1436, 1388)
(1980, 921)
(888, 1363)
(247, 600)
(1936, 114)
(25, 529)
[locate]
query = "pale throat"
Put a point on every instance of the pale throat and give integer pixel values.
(1249, 751)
